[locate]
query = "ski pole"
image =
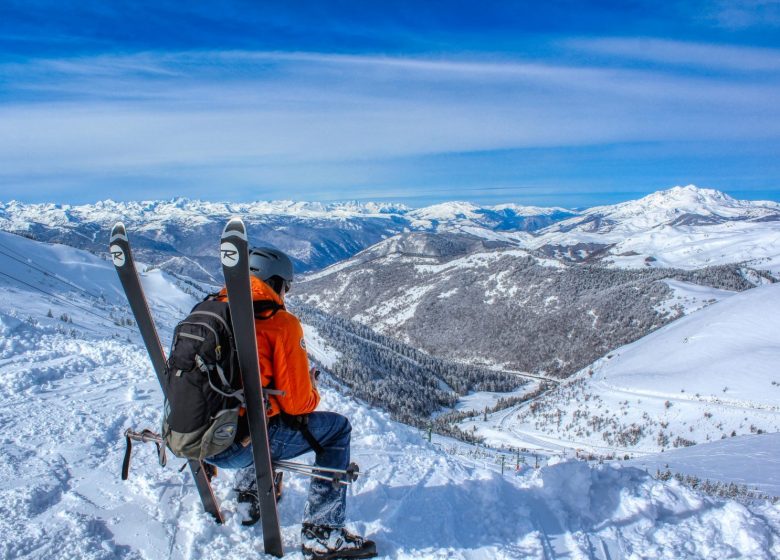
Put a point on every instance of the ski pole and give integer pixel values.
(144, 436)
(352, 469)
(318, 476)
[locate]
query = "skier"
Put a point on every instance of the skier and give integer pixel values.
(294, 428)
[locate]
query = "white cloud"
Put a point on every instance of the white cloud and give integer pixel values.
(266, 116)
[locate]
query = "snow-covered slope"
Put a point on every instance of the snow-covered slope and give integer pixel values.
(706, 376)
(84, 285)
(750, 461)
(67, 394)
(465, 216)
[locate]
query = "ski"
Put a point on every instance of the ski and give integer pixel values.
(122, 256)
(234, 254)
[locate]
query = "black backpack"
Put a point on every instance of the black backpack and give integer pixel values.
(202, 383)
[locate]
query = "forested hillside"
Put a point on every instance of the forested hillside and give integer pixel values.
(505, 306)
(386, 373)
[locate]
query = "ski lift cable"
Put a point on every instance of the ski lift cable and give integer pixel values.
(26, 262)
(45, 272)
(62, 299)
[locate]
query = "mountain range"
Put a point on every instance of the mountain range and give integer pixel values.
(683, 227)
(74, 376)
(474, 300)
(179, 235)
(459, 280)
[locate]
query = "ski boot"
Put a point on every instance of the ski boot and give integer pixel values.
(249, 496)
(319, 542)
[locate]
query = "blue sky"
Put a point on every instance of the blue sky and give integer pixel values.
(565, 103)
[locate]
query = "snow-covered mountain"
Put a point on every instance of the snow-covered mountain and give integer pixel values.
(71, 381)
(180, 235)
(481, 301)
(710, 375)
(684, 227)
(689, 205)
(465, 216)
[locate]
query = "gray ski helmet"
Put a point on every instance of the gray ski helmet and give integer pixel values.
(265, 262)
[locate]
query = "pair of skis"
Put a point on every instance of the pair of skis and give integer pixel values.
(234, 254)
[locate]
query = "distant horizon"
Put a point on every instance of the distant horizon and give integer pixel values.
(554, 103)
(614, 198)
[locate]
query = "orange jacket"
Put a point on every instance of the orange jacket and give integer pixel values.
(281, 352)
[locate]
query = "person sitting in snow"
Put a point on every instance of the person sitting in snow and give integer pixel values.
(294, 428)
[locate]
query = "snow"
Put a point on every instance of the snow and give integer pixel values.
(478, 401)
(729, 344)
(666, 205)
(69, 390)
(685, 226)
(395, 311)
(332, 269)
(687, 297)
(751, 460)
(189, 211)
(63, 458)
(318, 348)
(703, 377)
(447, 211)
(473, 260)
(647, 228)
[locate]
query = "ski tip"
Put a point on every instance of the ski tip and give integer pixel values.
(118, 250)
(235, 228)
(118, 231)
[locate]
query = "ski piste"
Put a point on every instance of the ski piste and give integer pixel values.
(234, 254)
(122, 256)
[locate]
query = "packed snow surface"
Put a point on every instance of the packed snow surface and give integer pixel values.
(727, 352)
(68, 390)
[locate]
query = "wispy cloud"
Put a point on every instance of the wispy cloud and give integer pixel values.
(684, 53)
(312, 120)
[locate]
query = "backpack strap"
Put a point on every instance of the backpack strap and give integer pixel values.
(209, 297)
(237, 394)
(263, 306)
(301, 423)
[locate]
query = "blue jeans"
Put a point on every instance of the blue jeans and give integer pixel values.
(326, 504)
